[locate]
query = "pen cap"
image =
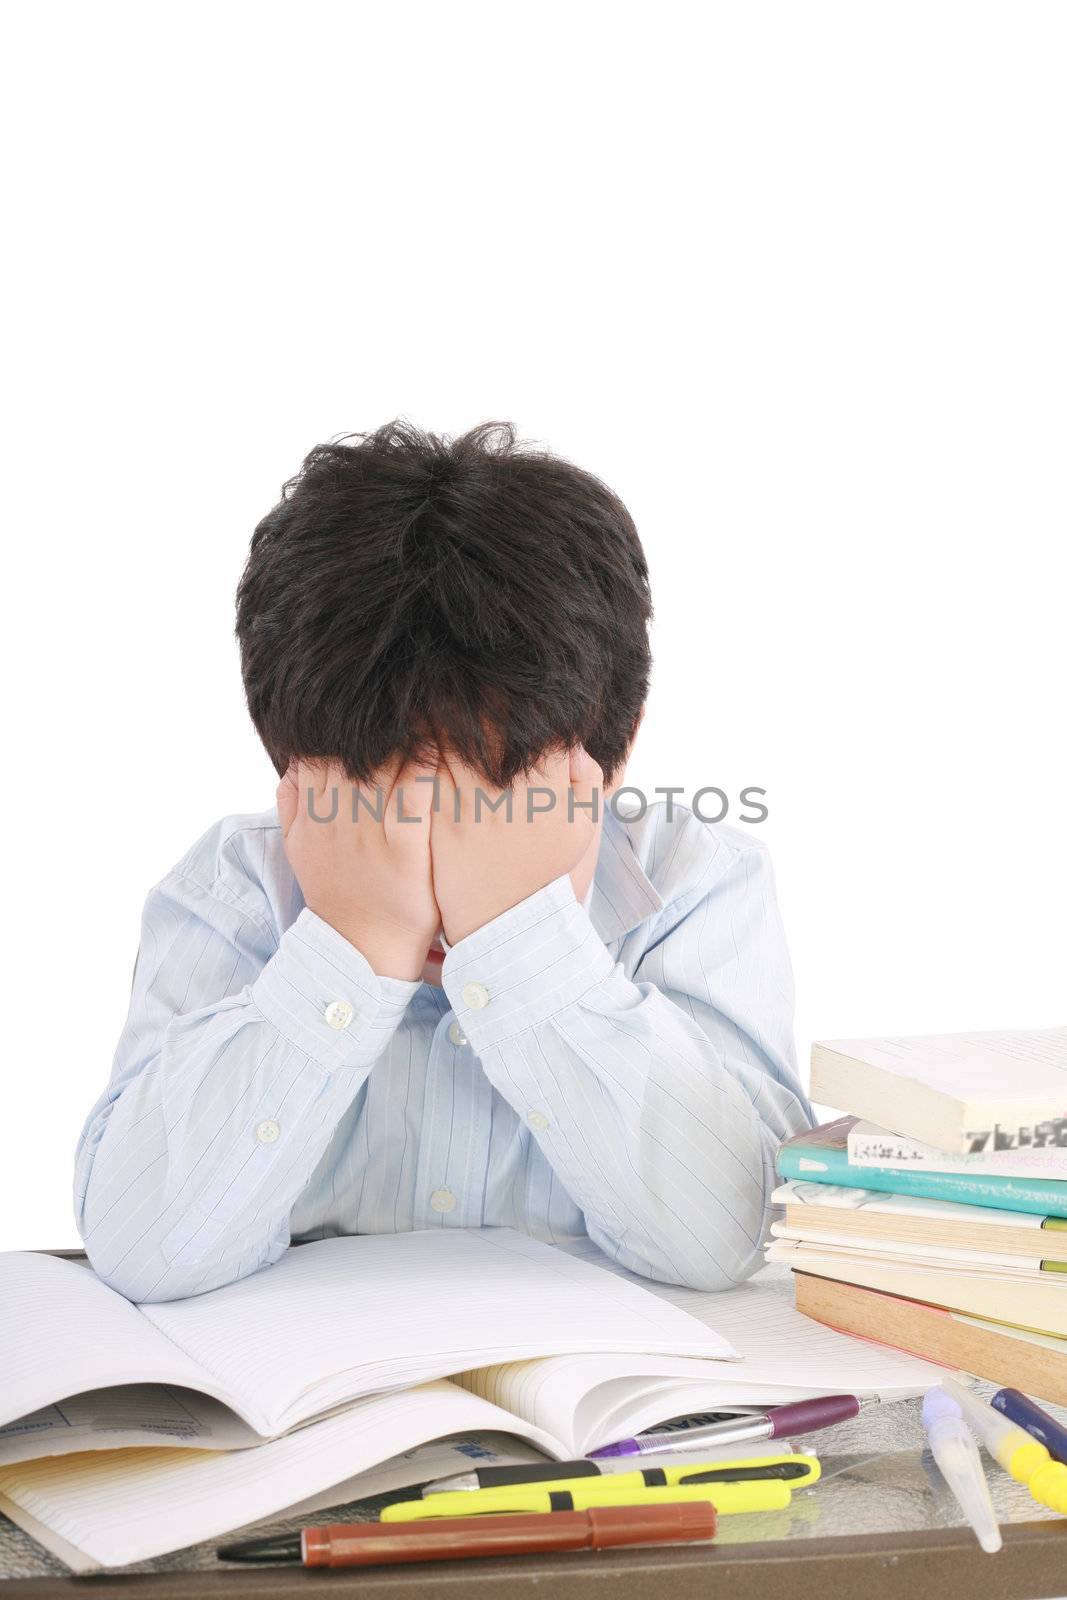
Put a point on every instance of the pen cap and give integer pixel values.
(956, 1453)
(638, 1524)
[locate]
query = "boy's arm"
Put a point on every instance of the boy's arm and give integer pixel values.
(242, 1052)
(659, 1099)
(238, 1059)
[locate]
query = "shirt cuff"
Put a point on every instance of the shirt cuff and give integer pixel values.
(325, 997)
(527, 964)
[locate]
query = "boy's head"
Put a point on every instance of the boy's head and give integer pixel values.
(410, 593)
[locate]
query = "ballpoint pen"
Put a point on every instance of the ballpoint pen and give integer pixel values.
(956, 1453)
(372, 1544)
(803, 1416)
(1019, 1408)
(763, 1494)
(799, 1470)
(1017, 1451)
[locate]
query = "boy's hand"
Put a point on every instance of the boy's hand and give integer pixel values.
(368, 879)
(485, 863)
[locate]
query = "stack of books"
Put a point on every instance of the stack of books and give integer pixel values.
(934, 1217)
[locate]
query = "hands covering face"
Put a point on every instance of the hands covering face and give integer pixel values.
(434, 848)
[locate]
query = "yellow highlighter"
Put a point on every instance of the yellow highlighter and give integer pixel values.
(763, 1494)
(796, 1469)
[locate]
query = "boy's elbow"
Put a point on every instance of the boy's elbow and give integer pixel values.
(131, 1277)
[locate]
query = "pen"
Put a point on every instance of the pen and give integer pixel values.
(1020, 1409)
(370, 1544)
(1016, 1450)
(956, 1453)
(765, 1494)
(800, 1469)
(803, 1416)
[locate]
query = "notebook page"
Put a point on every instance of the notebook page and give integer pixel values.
(63, 1332)
(784, 1354)
(344, 1318)
(129, 1505)
(442, 1458)
(117, 1419)
(564, 1394)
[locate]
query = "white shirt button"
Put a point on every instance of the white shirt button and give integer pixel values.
(338, 1014)
(475, 995)
(537, 1119)
(268, 1132)
(456, 1034)
(443, 1200)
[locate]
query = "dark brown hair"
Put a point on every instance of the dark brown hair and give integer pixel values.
(411, 591)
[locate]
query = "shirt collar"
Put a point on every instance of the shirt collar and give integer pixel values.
(622, 895)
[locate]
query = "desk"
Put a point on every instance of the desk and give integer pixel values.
(881, 1526)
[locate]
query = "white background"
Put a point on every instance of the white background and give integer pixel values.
(789, 277)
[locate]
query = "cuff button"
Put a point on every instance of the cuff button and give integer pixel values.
(268, 1132)
(338, 1014)
(475, 995)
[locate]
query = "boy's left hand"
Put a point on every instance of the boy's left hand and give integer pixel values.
(484, 863)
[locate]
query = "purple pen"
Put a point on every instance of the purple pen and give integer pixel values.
(804, 1416)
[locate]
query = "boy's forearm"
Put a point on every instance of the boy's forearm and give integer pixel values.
(187, 1177)
(651, 1128)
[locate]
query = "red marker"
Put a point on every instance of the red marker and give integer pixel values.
(373, 1544)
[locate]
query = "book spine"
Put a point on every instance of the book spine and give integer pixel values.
(815, 1164)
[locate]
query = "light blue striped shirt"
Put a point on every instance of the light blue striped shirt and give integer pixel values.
(627, 1074)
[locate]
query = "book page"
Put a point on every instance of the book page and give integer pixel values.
(116, 1419)
(63, 1332)
(345, 1318)
(129, 1505)
(841, 1197)
(441, 1458)
(783, 1355)
(906, 1249)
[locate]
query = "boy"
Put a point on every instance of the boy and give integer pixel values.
(388, 1005)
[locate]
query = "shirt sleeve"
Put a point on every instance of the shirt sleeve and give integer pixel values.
(240, 1054)
(659, 1095)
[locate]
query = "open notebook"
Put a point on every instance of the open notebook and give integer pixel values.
(331, 1323)
(109, 1507)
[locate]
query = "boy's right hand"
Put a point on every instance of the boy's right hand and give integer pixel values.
(370, 880)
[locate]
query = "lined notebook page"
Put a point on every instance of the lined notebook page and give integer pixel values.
(63, 1331)
(129, 1505)
(344, 1318)
(784, 1356)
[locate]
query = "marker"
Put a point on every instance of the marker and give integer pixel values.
(765, 1494)
(1016, 1450)
(1018, 1408)
(372, 1544)
(804, 1416)
(956, 1453)
(800, 1470)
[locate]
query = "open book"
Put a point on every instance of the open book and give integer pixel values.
(98, 1506)
(331, 1323)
